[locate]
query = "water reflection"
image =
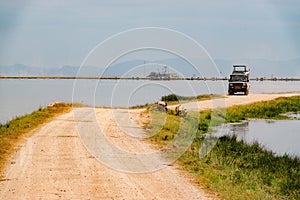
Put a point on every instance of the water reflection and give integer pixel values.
(280, 136)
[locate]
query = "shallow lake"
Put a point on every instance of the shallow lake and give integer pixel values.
(22, 96)
(279, 136)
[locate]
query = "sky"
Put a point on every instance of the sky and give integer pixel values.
(56, 33)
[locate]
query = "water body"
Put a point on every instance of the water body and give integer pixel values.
(22, 96)
(279, 136)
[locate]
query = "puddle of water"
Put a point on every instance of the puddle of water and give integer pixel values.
(280, 136)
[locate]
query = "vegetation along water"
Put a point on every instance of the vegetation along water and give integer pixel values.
(234, 169)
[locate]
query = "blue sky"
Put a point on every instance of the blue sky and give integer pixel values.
(56, 33)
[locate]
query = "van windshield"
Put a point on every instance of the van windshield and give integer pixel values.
(238, 78)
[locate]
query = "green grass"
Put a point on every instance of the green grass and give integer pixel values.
(14, 130)
(265, 109)
(233, 169)
(175, 99)
(240, 171)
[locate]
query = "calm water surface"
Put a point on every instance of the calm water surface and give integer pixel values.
(279, 136)
(19, 97)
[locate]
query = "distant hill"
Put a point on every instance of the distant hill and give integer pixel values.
(202, 67)
(23, 70)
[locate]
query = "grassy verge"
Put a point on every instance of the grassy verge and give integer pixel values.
(233, 169)
(265, 109)
(175, 99)
(14, 130)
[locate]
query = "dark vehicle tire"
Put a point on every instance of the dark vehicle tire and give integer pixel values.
(230, 92)
(246, 92)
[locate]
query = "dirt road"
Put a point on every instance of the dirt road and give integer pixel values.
(54, 163)
(98, 154)
(231, 100)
